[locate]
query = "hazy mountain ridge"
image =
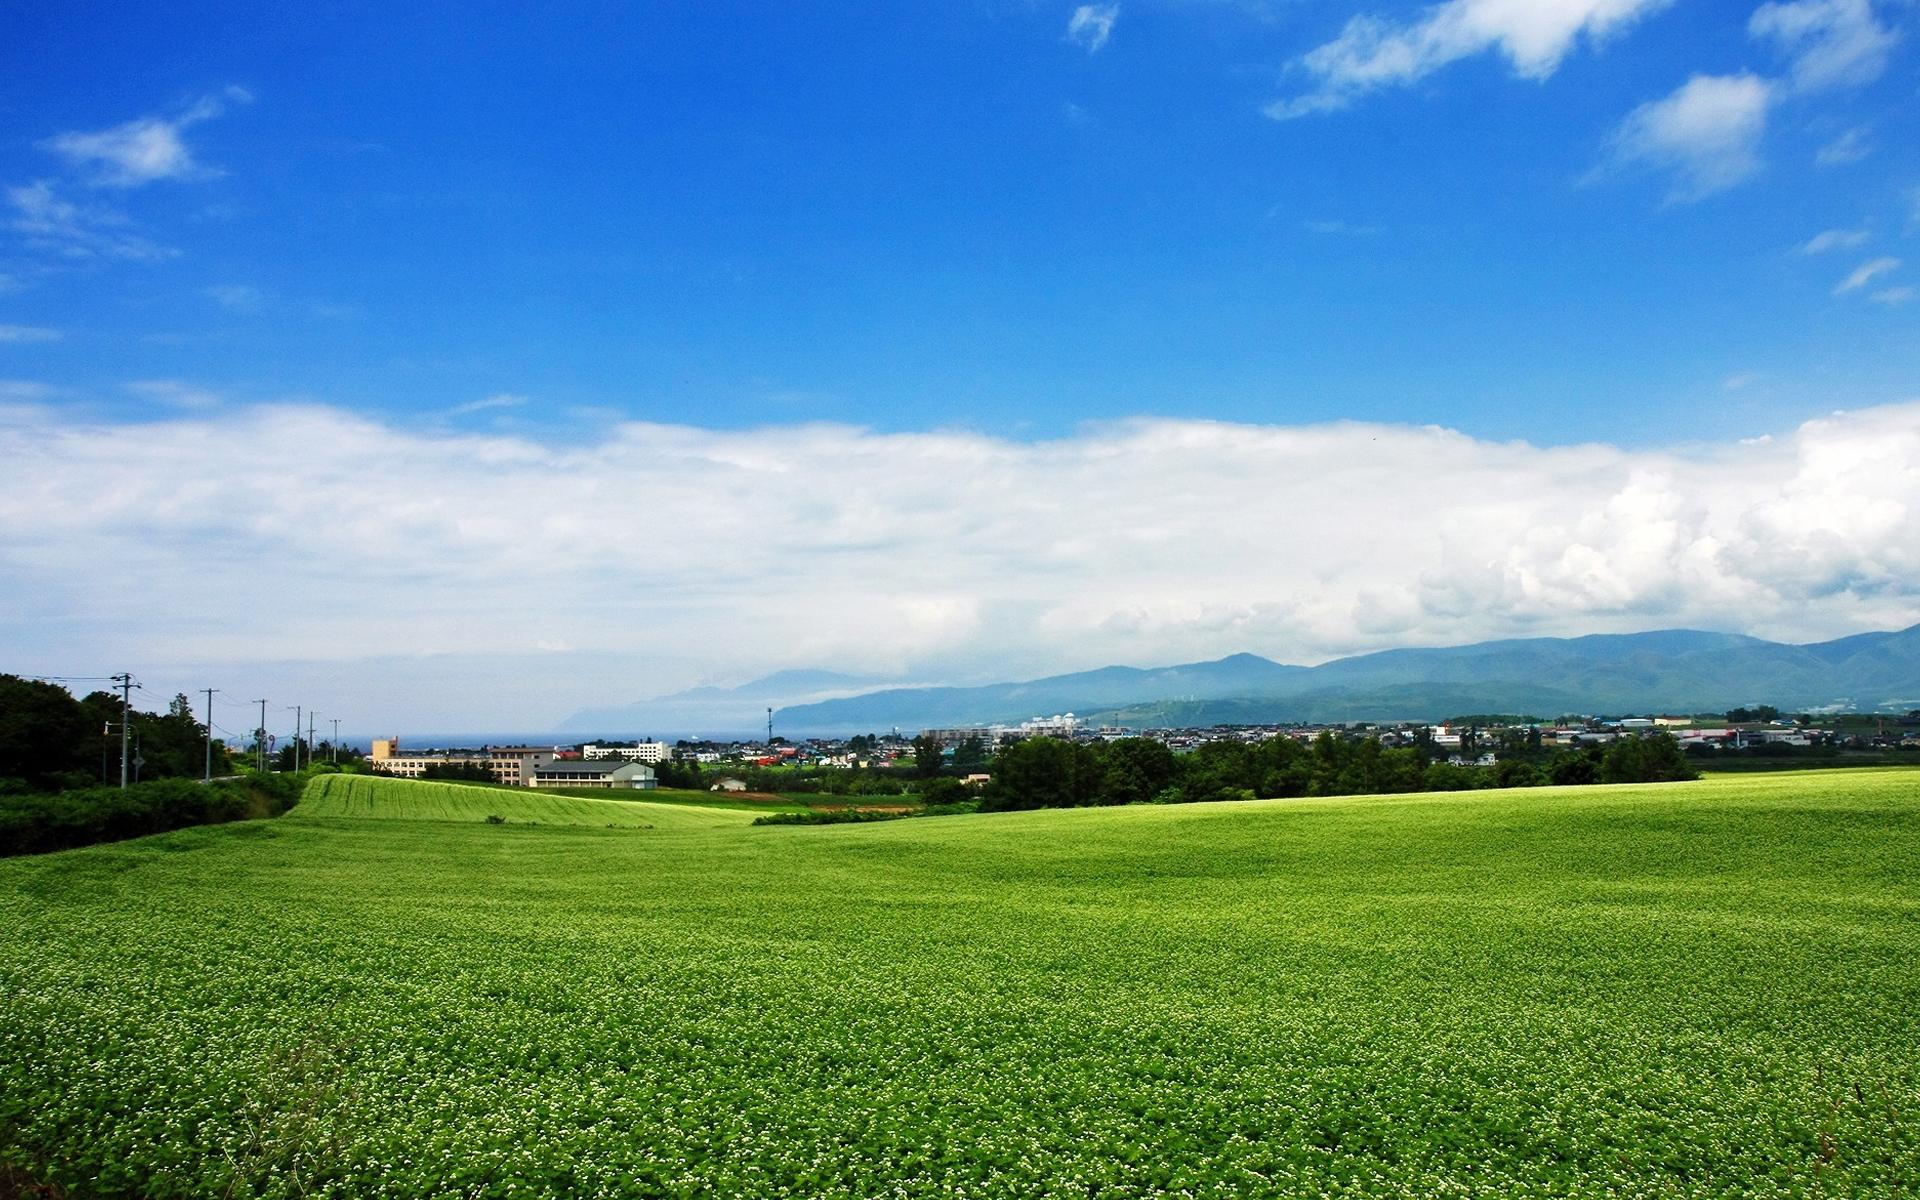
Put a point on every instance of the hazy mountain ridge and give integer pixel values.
(1675, 670)
(718, 710)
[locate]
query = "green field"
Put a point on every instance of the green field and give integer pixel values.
(371, 796)
(1693, 989)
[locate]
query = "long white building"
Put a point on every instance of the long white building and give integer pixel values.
(511, 765)
(646, 752)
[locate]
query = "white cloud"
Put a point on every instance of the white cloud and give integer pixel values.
(1091, 25)
(1850, 147)
(1341, 229)
(1831, 43)
(493, 403)
(1740, 381)
(1371, 53)
(24, 391)
(681, 553)
(175, 393)
(1834, 239)
(143, 150)
(1893, 295)
(1707, 133)
(20, 334)
(1866, 273)
(49, 222)
(237, 297)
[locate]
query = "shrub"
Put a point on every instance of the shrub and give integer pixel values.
(843, 816)
(1513, 772)
(38, 822)
(1448, 777)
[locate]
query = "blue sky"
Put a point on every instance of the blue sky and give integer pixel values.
(1662, 227)
(951, 215)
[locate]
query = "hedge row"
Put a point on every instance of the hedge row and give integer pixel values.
(37, 822)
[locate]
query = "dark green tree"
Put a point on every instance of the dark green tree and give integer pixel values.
(1134, 770)
(47, 739)
(1575, 766)
(1043, 773)
(970, 754)
(929, 756)
(173, 744)
(1656, 758)
(944, 790)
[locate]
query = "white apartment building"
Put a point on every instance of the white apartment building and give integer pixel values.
(645, 752)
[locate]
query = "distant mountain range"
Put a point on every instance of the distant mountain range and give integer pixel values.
(1673, 670)
(718, 711)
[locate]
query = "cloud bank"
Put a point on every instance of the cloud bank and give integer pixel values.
(308, 532)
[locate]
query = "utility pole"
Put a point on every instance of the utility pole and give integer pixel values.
(260, 737)
(311, 714)
(209, 771)
(769, 727)
(296, 734)
(333, 747)
(125, 680)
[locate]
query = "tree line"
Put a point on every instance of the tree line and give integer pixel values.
(51, 741)
(1052, 773)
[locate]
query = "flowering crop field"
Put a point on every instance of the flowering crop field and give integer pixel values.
(1699, 989)
(364, 796)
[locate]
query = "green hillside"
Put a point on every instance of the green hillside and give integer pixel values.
(370, 796)
(1701, 989)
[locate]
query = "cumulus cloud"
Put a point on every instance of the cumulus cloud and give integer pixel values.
(1707, 133)
(143, 150)
(1091, 25)
(1866, 273)
(1372, 53)
(713, 553)
(20, 334)
(1830, 43)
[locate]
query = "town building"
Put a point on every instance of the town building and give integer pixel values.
(511, 765)
(597, 773)
(646, 752)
